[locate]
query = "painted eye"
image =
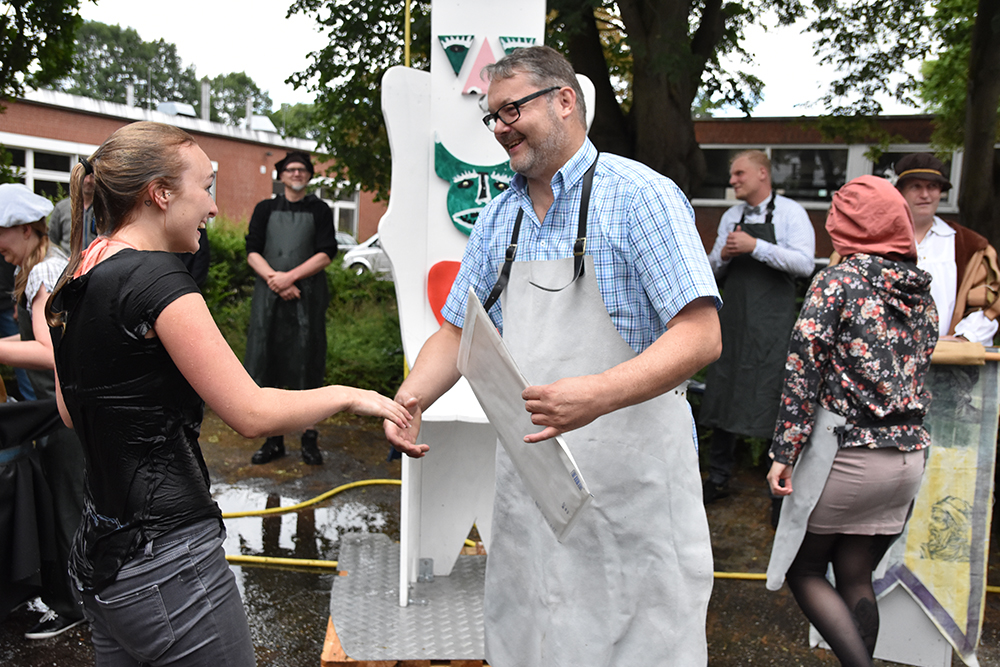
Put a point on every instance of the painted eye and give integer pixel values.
(465, 179)
(501, 181)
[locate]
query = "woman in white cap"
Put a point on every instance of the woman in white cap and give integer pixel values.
(24, 242)
(137, 357)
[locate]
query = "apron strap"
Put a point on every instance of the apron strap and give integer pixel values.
(501, 282)
(579, 246)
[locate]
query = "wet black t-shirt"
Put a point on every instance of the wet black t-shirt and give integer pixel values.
(137, 416)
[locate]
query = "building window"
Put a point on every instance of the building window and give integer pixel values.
(716, 183)
(808, 174)
(804, 174)
(52, 161)
(19, 157)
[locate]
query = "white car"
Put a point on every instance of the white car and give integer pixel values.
(345, 242)
(368, 256)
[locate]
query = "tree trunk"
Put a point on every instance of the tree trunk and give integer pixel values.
(666, 73)
(611, 130)
(978, 198)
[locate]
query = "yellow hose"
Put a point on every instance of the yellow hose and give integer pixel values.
(306, 503)
(332, 564)
(268, 560)
(272, 511)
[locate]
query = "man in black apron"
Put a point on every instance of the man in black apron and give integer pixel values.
(609, 307)
(762, 246)
(290, 241)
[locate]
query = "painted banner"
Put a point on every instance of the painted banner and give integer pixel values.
(941, 558)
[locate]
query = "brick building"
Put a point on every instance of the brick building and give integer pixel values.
(805, 167)
(48, 132)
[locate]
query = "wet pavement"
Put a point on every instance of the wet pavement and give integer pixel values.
(288, 608)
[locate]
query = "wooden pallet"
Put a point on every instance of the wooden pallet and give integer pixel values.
(334, 656)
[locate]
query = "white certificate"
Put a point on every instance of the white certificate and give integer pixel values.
(547, 468)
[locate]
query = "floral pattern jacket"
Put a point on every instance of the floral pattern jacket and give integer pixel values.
(860, 348)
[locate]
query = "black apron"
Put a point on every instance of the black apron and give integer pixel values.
(743, 388)
(286, 341)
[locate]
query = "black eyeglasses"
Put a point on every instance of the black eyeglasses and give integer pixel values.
(510, 112)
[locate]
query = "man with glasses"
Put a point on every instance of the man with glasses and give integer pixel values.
(608, 306)
(290, 241)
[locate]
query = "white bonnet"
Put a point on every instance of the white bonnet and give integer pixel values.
(21, 206)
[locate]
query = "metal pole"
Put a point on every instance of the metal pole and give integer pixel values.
(406, 34)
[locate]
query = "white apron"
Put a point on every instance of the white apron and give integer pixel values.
(631, 583)
(809, 476)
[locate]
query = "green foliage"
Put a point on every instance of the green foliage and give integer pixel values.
(661, 50)
(7, 173)
(365, 39)
(230, 93)
(36, 43)
(364, 345)
(870, 42)
(944, 88)
(296, 120)
(109, 57)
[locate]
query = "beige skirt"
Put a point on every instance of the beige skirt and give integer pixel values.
(868, 492)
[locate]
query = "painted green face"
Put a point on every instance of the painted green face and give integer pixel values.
(470, 186)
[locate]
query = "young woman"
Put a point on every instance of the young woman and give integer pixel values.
(24, 242)
(136, 353)
(853, 399)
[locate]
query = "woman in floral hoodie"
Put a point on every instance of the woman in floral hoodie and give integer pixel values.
(853, 406)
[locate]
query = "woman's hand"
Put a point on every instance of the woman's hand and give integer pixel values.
(373, 404)
(779, 478)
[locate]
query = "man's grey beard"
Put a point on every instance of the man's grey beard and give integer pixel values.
(298, 188)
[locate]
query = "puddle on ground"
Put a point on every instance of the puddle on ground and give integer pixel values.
(310, 533)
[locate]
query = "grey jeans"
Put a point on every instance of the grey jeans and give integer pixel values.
(176, 603)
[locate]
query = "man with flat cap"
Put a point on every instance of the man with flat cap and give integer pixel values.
(290, 241)
(962, 262)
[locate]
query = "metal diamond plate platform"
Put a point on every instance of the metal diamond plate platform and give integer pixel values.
(444, 620)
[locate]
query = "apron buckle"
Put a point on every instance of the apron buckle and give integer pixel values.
(580, 247)
(511, 252)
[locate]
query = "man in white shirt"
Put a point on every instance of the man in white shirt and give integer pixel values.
(962, 262)
(762, 246)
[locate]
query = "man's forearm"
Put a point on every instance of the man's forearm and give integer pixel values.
(310, 267)
(259, 265)
(692, 341)
(435, 370)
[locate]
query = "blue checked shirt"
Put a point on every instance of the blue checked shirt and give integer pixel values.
(649, 260)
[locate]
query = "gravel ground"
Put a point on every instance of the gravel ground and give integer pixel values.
(288, 609)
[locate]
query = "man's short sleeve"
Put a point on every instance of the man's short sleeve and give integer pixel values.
(667, 250)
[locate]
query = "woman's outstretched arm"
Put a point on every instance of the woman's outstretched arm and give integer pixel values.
(203, 356)
(31, 354)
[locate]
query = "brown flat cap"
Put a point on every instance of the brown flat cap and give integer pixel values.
(922, 166)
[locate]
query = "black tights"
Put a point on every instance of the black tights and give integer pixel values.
(847, 615)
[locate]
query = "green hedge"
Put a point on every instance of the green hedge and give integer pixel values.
(362, 325)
